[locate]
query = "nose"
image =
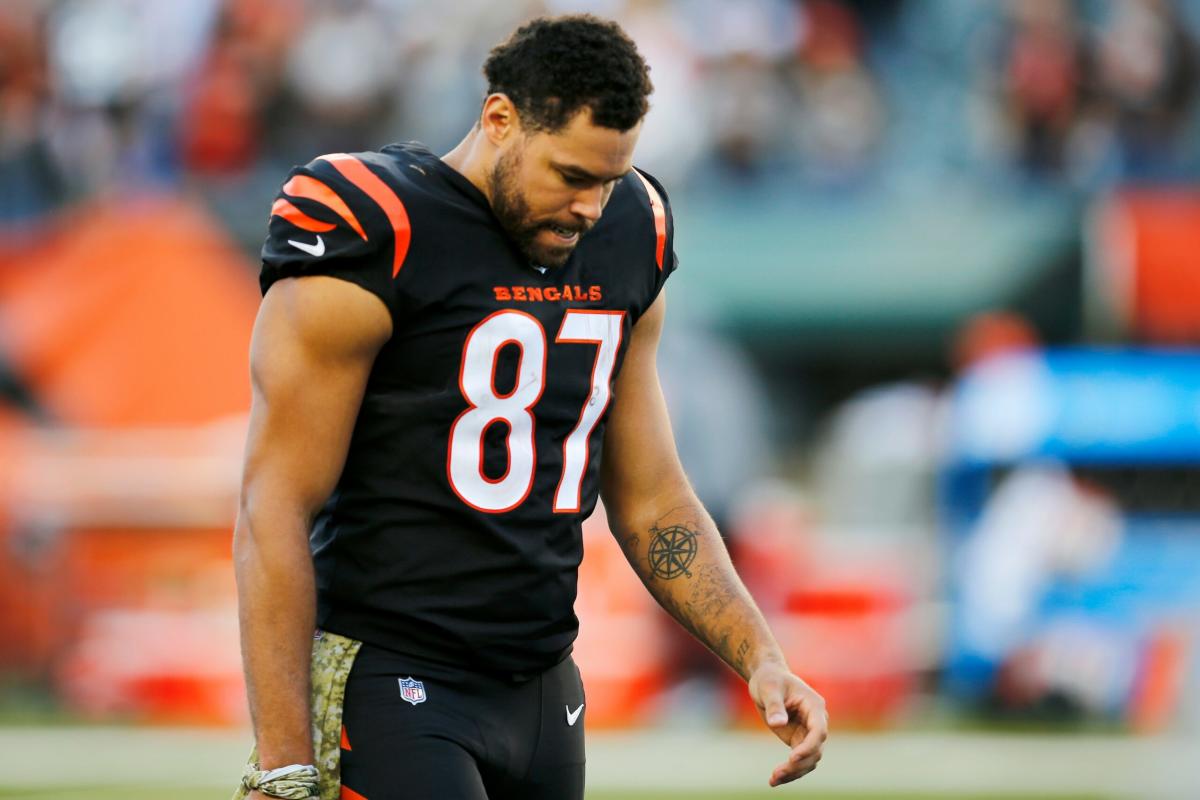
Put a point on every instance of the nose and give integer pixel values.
(588, 203)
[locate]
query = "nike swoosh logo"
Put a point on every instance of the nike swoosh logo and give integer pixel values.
(315, 250)
(573, 715)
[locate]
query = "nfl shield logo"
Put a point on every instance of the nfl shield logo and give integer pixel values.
(412, 690)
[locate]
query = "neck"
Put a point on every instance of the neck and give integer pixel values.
(473, 158)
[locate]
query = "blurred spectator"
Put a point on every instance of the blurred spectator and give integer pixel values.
(878, 454)
(840, 111)
(1039, 523)
(674, 136)
(31, 183)
(1092, 106)
(439, 87)
(228, 96)
(116, 66)
(340, 72)
(743, 47)
(792, 92)
(1147, 80)
(1036, 80)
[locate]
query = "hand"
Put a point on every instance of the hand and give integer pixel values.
(795, 713)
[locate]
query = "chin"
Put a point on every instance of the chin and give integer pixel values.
(550, 257)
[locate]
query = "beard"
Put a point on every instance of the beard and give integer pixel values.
(512, 211)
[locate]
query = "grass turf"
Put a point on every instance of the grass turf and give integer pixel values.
(152, 793)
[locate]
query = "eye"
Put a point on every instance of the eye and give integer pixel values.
(575, 181)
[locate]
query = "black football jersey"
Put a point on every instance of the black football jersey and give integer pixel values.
(453, 534)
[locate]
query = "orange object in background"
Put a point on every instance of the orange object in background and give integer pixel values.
(131, 608)
(129, 322)
(851, 644)
(159, 640)
(31, 614)
(159, 637)
(621, 650)
(1145, 265)
(1162, 678)
(130, 313)
(843, 619)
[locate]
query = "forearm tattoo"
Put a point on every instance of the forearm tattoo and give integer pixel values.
(705, 600)
(711, 592)
(672, 551)
(629, 544)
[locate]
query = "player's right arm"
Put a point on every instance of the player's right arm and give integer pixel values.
(315, 340)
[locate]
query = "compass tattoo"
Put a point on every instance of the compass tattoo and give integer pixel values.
(672, 551)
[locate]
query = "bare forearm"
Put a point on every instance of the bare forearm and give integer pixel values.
(683, 562)
(276, 612)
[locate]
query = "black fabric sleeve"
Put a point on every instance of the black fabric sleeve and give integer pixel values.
(350, 240)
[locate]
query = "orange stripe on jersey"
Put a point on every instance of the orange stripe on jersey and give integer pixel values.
(357, 173)
(345, 740)
(285, 210)
(350, 794)
(660, 218)
(313, 189)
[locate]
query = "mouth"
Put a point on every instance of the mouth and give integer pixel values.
(564, 235)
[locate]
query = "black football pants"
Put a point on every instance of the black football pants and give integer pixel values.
(472, 737)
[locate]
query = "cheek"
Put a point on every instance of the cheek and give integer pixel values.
(548, 204)
(545, 195)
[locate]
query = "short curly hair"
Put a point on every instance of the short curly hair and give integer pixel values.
(553, 66)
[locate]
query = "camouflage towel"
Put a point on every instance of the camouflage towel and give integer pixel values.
(332, 658)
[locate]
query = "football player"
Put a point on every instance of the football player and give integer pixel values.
(455, 355)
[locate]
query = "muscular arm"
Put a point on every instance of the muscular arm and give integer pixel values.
(666, 534)
(675, 548)
(314, 342)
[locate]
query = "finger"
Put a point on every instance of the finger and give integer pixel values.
(794, 768)
(813, 741)
(798, 763)
(815, 724)
(780, 778)
(789, 773)
(806, 763)
(776, 715)
(774, 708)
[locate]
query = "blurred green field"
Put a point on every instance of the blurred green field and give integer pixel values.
(151, 793)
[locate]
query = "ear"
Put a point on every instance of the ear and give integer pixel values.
(499, 119)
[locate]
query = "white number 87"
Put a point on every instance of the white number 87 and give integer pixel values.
(486, 406)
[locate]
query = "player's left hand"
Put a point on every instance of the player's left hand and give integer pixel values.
(796, 714)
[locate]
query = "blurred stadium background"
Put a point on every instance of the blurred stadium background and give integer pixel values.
(931, 360)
